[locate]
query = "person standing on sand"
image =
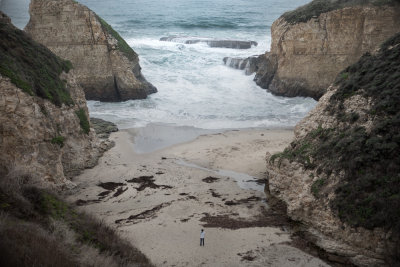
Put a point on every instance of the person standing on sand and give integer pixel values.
(202, 234)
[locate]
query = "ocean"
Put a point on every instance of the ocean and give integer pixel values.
(195, 88)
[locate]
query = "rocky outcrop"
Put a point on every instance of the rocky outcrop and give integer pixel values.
(248, 64)
(103, 128)
(340, 175)
(309, 48)
(44, 127)
(235, 44)
(105, 65)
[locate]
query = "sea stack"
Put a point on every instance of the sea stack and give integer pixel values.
(105, 65)
(313, 43)
(44, 121)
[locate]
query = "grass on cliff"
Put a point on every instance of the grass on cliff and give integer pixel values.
(58, 140)
(317, 7)
(122, 45)
(38, 228)
(31, 66)
(369, 193)
(83, 120)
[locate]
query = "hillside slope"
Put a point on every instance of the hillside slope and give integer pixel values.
(45, 138)
(44, 126)
(341, 174)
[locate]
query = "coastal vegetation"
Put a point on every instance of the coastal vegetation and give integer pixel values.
(365, 157)
(32, 67)
(370, 196)
(59, 140)
(317, 7)
(38, 228)
(122, 45)
(83, 120)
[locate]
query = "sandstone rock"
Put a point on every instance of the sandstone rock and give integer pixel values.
(294, 178)
(305, 57)
(267, 65)
(292, 182)
(38, 135)
(105, 66)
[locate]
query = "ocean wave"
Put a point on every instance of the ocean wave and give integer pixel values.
(150, 45)
(204, 23)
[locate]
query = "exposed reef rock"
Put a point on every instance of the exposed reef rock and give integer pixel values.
(311, 44)
(105, 65)
(235, 44)
(103, 128)
(249, 64)
(341, 175)
(44, 127)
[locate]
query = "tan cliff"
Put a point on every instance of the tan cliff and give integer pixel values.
(306, 56)
(105, 65)
(339, 176)
(44, 127)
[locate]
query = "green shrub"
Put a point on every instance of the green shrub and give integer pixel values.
(28, 244)
(35, 220)
(122, 45)
(317, 7)
(83, 120)
(59, 140)
(32, 67)
(15, 79)
(51, 205)
(368, 194)
(299, 151)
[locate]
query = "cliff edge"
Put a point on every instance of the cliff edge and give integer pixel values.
(106, 66)
(44, 126)
(313, 43)
(341, 174)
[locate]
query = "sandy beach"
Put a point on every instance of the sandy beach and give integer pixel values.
(160, 195)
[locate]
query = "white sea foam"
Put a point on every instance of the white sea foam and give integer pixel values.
(225, 99)
(195, 88)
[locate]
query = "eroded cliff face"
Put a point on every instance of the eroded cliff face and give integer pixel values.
(105, 66)
(340, 175)
(305, 57)
(44, 129)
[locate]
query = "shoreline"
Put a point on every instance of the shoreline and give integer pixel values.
(158, 136)
(160, 204)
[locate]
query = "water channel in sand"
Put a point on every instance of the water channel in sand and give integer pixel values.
(243, 180)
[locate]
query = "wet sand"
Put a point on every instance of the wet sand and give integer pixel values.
(160, 200)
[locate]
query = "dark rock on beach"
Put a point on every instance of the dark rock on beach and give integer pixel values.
(210, 179)
(103, 128)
